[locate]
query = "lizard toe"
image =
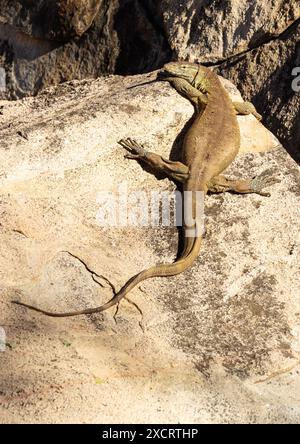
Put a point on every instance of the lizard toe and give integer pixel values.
(262, 181)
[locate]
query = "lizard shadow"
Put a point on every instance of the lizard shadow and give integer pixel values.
(175, 155)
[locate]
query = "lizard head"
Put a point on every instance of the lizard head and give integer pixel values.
(184, 70)
(193, 73)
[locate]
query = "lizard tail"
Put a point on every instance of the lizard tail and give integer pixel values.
(162, 270)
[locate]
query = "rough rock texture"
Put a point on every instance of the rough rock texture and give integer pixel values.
(265, 75)
(34, 60)
(212, 30)
(147, 33)
(72, 18)
(55, 19)
(222, 341)
(122, 38)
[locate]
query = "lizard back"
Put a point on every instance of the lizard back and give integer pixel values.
(213, 140)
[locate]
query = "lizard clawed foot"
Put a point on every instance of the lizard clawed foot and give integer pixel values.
(158, 164)
(136, 151)
(258, 183)
(253, 110)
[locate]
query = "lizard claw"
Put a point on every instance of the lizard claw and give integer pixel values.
(132, 156)
(258, 183)
(136, 151)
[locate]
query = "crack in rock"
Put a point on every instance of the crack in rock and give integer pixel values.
(141, 322)
(237, 57)
(113, 288)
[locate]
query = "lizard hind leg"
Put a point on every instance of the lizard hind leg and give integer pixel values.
(222, 184)
(172, 169)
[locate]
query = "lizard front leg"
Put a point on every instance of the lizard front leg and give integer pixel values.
(221, 184)
(198, 98)
(246, 108)
(201, 84)
(174, 170)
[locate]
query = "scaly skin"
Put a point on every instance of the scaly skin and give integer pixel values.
(191, 73)
(211, 144)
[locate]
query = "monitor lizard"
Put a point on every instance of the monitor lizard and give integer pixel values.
(210, 145)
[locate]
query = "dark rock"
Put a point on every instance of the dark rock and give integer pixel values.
(32, 63)
(57, 20)
(265, 76)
